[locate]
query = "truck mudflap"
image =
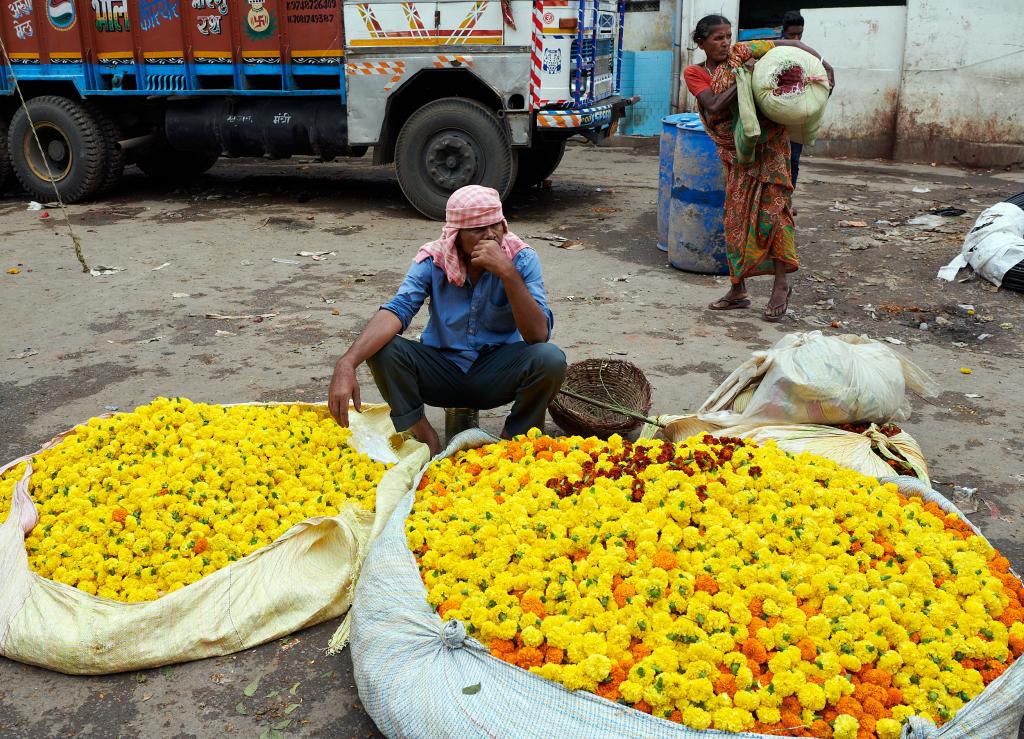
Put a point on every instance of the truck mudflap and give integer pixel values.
(593, 117)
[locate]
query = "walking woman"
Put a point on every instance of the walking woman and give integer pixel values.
(759, 230)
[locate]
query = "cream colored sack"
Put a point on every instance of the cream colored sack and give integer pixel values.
(866, 452)
(303, 578)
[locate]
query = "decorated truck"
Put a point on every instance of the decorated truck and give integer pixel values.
(454, 92)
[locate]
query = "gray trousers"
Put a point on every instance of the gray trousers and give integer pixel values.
(410, 375)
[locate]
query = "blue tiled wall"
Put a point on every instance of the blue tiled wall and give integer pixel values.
(649, 75)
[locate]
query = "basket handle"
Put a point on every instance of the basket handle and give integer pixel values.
(614, 408)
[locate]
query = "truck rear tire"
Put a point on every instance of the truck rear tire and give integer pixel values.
(177, 167)
(73, 144)
(538, 162)
(5, 159)
(110, 133)
(448, 144)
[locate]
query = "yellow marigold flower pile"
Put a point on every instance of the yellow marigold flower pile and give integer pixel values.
(716, 583)
(143, 503)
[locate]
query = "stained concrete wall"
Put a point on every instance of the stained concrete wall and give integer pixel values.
(865, 47)
(934, 80)
(962, 97)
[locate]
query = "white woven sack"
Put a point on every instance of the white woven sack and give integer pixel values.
(421, 677)
(806, 103)
(303, 578)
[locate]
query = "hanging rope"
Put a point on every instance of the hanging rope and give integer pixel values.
(60, 202)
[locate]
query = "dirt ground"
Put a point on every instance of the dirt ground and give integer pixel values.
(75, 345)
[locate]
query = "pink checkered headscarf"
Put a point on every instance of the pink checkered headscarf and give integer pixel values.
(468, 207)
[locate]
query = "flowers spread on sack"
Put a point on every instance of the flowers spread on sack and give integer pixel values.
(143, 503)
(717, 584)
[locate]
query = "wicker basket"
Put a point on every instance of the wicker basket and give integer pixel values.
(612, 381)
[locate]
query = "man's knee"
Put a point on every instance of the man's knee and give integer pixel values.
(548, 359)
(388, 354)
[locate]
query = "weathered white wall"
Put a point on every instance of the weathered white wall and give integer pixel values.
(649, 31)
(865, 47)
(962, 97)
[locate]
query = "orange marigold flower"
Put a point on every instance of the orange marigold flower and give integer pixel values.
(642, 706)
(201, 545)
(530, 657)
(878, 677)
(894, 696)
(554, 655)
(808, 650)
(119, 514)
(753, 649)
(624, 591)
(532, 604)
(676, 716)
(726, 684)
(502, 645)
(449, 605)
(640, 651)
(665, 559)
(756, 607)
(706, 583)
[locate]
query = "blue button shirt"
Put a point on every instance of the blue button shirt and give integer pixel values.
(465, 321)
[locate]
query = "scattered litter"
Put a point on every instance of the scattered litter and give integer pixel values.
(110, 408)
(605, 210)
(315, 254)
(1006, 325)
(99, 270)
(966, 499)
(826, 304)
(33, 205)
(928, 221)
(982, 337)
(329, 301)
(853, 224)
(883, 222)
(248, 317)
(967, 310)
(570, 245)
(246, 262)
(30, 352)
(966, 371)
(839, 207)
(222, 332)
(621, 278)
(948, 212)
(921, 190)
(837, 324)
(942, 321)
(282, 260)
(165, 264)
(150, 341)
(959, 344)
(45, 214)
(14, 271)
(336, 312)
(180, 295)
(923, 325)
(550, 237)
(893, 340)
(973, 395)
(860, 243)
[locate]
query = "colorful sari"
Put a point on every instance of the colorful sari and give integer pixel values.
(759, 229)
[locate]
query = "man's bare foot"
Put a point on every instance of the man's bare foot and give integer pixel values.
(425, 433)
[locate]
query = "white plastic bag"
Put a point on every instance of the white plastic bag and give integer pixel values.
(993, 246)
(813, 378)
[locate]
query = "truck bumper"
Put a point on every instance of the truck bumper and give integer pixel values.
(594, 117)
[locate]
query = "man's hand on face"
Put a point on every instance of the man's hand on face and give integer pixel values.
(489, 255)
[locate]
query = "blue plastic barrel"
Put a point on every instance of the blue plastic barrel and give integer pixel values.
(667, 156)
(696, 230)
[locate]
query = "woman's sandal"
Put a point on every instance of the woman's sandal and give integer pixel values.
(729, 303)
(783, 309)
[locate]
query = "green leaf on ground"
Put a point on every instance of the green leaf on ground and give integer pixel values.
(290, 708)
(471, 689)
(168, 671)
(281, 725)
(273, 693)
(140, 677)
(251, 688)
(295, 688)
(240, 709)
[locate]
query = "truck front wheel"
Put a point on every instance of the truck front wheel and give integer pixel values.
(71, 148)
(448, 144)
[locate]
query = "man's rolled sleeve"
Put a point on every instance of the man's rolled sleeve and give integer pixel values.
(527, 263)
(411, 293)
